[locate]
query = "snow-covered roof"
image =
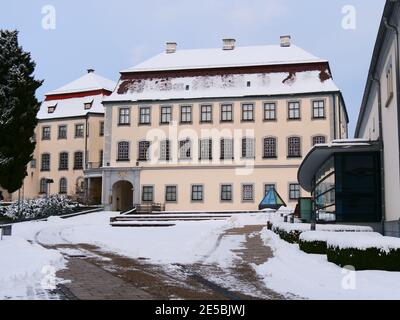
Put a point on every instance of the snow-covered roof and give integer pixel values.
(88, 82)
(73, 107)
(237, 85)
(218, 58)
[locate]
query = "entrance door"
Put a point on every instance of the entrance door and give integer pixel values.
(122, 196)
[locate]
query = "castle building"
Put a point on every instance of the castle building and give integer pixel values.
(69, 140)
(214, 129)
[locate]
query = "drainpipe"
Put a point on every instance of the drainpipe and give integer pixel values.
(397, 62)
(381, 150)
(86, 160)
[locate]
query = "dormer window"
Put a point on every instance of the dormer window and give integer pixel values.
(88, 104)
(51, 108)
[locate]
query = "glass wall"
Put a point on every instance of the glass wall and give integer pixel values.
(348, 186)
(358, 197)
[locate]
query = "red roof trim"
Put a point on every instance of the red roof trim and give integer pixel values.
(63, 96)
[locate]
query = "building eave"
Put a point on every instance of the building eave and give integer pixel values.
(387, 13)
(320, 153)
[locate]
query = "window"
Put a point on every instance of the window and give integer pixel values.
(78, 160)
(43, 185)
(294, 110)
(79, 131)
(226, 112)
(166, 114)
(144, 147)
(63, 161)
(186, 114)
(318, 140)
(144, 117)
(226, 192)
(389, 80)
(294, 191)
(101, 133)
(124, 118)
(46, 133)
(294, 147)
(248, 148)
(205, 149)
(227, 149)
(197, 192)
(268, 187)
(45, 163)
(165, 150)
(63, 186)
(147, 193)
(33, 163)
(206, 113)
(318, 109)
(269, 111)
(247, 192)
(170, 193)
(62, 132)
(247, 112)
(51, 109)
(123, 151)
(185, 149)
(269, 147)
(88, 105)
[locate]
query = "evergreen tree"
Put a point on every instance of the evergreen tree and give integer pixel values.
(18, 110)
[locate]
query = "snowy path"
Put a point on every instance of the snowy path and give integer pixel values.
(113, 276)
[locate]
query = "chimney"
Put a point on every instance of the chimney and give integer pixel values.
(229, 44)
(285, 41)
(90, 70)
(171, 47)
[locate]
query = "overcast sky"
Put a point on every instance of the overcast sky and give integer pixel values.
(113, 35)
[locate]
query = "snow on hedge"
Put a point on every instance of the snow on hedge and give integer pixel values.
(325, 236)
(301, 227)
(39, 208)
(292, 271)
(26, 267)
(352, 241)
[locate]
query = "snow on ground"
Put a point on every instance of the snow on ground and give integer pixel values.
(186, 242)
(26, 268)
(290, 271)
(312, 276)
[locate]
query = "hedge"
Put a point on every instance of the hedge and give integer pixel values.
(365, 259)
(291, 237)
(314, 247)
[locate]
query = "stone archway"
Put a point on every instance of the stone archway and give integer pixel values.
(122, 196)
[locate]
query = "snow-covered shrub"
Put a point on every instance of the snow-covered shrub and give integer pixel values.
(39, 208)
(365, 253)
(291, 232)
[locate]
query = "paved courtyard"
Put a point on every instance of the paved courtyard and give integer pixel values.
(98, 275)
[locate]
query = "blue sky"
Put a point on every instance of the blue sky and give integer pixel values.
(113, 35)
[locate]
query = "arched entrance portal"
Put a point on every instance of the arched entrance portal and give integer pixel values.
(122, 198)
